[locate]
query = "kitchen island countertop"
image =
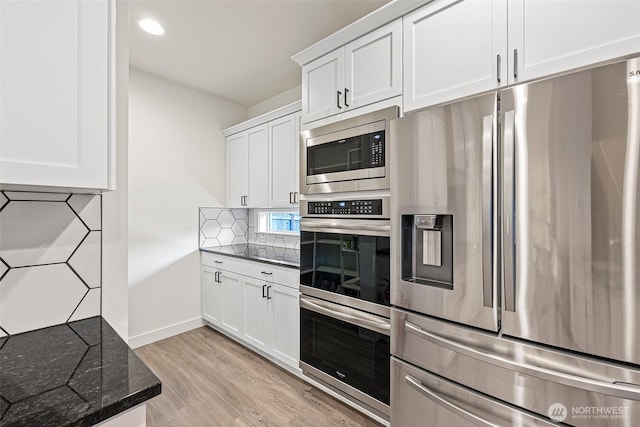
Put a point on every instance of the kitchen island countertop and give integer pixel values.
(75, 374)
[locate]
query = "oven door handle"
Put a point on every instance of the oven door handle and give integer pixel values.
(347, 226)
(350, 315)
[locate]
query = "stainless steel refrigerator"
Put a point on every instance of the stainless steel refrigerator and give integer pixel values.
(516, 255)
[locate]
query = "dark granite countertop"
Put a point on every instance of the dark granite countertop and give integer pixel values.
(284, 257)
(75, 374)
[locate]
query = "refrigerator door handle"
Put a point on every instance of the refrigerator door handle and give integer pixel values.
(446, 403)
(610, 388)
(487, 208)
(508, 223)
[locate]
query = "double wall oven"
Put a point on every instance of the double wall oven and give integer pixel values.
(345, 278)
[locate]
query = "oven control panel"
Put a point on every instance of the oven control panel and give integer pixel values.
(346, 207)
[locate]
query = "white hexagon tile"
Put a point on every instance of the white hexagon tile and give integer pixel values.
(50, 259)
(85, 261)
(40, 296)
(88, 208)
(36, 233)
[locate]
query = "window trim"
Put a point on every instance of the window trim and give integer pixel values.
(263, 214)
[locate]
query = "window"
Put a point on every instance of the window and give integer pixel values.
(278, 222)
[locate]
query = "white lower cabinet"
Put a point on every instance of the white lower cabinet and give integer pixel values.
(254, 308)
(231, 298)
(251, 305)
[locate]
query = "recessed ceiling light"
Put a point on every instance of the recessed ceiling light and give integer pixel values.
(151, 27)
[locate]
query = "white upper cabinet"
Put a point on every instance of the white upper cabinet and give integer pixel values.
(360, 73)
(453, 49)
(258, 143)
(237, 170)
(263, 161)
(458, 48)
(54, 81)
(283, 134)
(323, 86)
(548, 37)
(373, 66)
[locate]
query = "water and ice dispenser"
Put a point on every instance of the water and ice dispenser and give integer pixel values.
(427, 250)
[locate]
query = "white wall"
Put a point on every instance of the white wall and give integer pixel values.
(115, 289)
(287, 97)
(177, 162)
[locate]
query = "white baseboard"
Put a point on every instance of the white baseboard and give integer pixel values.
(165, 332)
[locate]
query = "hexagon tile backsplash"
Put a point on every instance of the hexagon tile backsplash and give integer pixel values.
(50, 259)
(222, 227)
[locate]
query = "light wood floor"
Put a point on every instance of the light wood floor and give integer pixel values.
(209, 380)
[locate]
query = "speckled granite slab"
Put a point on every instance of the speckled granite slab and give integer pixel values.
(284, 257)
(75, 374)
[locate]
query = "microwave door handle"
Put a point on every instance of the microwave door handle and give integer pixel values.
(508, 215)
(349, 315)
(488, 141)
(446, 403)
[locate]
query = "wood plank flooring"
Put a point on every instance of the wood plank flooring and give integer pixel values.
(208, 380)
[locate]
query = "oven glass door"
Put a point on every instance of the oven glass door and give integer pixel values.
(353, 265)
(352, 354)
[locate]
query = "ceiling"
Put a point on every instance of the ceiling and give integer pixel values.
(239, 50)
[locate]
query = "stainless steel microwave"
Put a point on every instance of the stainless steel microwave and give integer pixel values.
(350, 155)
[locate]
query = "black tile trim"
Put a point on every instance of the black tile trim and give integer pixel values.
(39, 265)
(5, 338)
(6, 271)
(79, 244)
(6, 202)
(75, 309)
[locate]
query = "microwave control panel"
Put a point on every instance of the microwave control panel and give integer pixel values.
(347, 207)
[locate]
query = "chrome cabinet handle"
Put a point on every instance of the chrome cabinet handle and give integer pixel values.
(268, 293)
(346, 91)
(613, 389)
(216, 277)
(338, 99)
(445, 403)
(498, 66)
(267, 273)
(263, 287)
(217, 262)
(290, 197)
(350, 315)
(488, 142)
(508, 223)
(295, 198)
(515, 63)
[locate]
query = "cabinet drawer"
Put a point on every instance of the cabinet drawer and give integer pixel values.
(289, 277)
(222, 262)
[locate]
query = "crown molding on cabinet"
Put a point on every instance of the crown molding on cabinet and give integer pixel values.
(362, 26)
(264, 118)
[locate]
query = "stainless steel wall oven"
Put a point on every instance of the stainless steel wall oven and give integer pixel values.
(345, 301)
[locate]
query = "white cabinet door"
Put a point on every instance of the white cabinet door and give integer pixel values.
(373, 66)
(254, 306)
(296, 173)
(231, 299)
(283, 138)
(210, 295)
(54, 81)
(555, 36)
(285, 317)
(258, 144)
(323, 86)
(452, 49)
(237, 170)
